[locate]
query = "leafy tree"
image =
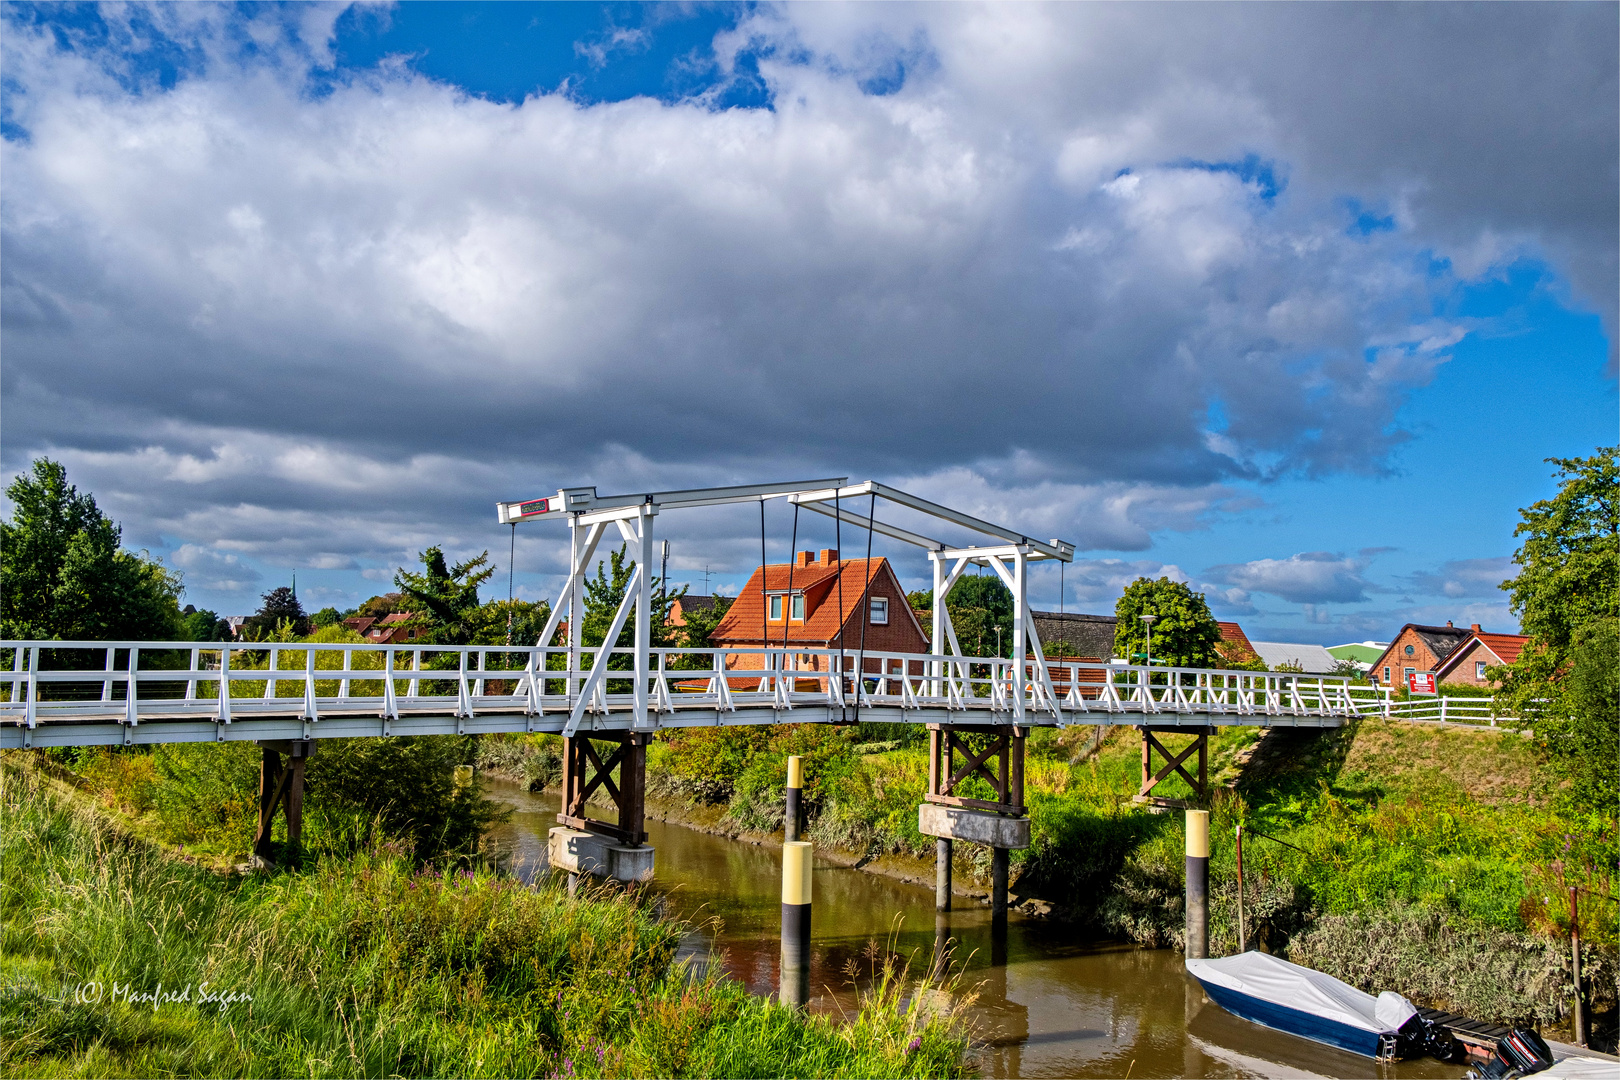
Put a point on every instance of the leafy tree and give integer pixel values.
(378, 606)
(63, 575)
(1185, 635)
(203, 625)
(605, 592)
(977, 605)
(1567, 597)
(698, 633)
(280, 607)
(445, 597)
(327, 616)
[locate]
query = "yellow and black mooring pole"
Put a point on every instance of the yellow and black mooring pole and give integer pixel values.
(793, 811)
(1197, 884)
(796, 889)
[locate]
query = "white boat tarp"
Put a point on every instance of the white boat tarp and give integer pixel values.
(1281, 983)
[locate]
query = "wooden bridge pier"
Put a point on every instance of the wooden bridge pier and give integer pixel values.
(1175, 764)
(281, 787)
(1001, 823)
(582, 844)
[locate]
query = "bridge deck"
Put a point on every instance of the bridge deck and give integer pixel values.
(51, 696)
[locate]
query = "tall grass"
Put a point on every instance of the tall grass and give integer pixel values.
(375, 965)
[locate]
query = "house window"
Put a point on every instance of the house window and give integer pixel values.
(797, 608)
(1409, 673)
(1411, 651)
(776, 609)
(880, 611)
(1386, 676)
(1479, 670)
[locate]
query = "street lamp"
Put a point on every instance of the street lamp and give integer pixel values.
(1149, 620)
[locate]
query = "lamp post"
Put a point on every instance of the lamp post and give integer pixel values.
(1149, 620)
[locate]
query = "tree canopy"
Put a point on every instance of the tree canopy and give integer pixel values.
(1185, 633)
(1567, 597)
(64, 576)
(445, 597)
(978, 604)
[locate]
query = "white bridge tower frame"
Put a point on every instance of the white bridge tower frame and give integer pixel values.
(589, 515)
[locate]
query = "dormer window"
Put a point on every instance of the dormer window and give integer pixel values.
(797, 607)
(776, 608)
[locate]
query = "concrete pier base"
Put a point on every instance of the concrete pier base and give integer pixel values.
(581, 852)
(977, 826)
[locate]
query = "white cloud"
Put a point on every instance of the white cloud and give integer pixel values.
(329, 329)
(214, 570)
(1309, 578)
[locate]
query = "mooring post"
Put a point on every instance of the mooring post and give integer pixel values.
(1575, 961)
(1243, 937)
(1197, 884)
(793, 808)
(942, 875)
(796, 894)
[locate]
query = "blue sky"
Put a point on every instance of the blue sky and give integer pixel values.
(1205, 290)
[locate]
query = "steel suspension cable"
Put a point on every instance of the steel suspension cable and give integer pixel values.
(866, 608)
(764, 631)
(793, 560)
(838, 541)
(511, 569)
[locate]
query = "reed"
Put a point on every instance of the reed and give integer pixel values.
(374, 965)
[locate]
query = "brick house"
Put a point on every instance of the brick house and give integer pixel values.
(679, 606)
(1235, 647)
(391, 630)
(1417, 648)
(822, 601)
(1468, 662)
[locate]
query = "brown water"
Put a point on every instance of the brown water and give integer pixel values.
(1049, 1003)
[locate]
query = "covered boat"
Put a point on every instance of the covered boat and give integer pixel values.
(1300, 1001)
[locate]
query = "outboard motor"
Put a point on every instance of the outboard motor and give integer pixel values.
(1523, 1052)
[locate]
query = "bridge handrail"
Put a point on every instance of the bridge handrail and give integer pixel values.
(782, 678)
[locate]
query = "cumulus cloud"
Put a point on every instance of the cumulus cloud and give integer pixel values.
(1461, 578)
(1311, 577)
(214, 570)
(1075, 268)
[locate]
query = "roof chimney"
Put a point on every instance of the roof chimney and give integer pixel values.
(1448, 622)
(802, 559)
(1474, 627)
(829, 556)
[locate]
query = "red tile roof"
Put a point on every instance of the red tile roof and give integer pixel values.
(1505, 647)
(1237, 642)
(819, 583)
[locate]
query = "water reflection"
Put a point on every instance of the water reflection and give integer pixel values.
(1048, 1003)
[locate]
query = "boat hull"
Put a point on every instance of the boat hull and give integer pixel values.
(1293, 1021)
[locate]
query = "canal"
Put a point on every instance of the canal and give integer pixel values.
(1049, 1004)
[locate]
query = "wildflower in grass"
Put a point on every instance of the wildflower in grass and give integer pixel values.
(916, 1044)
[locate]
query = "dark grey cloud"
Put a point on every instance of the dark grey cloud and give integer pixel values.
(330, 329)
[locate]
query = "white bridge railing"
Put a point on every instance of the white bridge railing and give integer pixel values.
(134, 682)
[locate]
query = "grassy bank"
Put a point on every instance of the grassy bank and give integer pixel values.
(371, 963)
(1396, 856)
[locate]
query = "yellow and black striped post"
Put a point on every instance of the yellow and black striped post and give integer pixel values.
(1197, 884)
(793, 815)
(796, 885)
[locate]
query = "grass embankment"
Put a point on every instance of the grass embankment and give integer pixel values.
(372, 963)
(1425, 860)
